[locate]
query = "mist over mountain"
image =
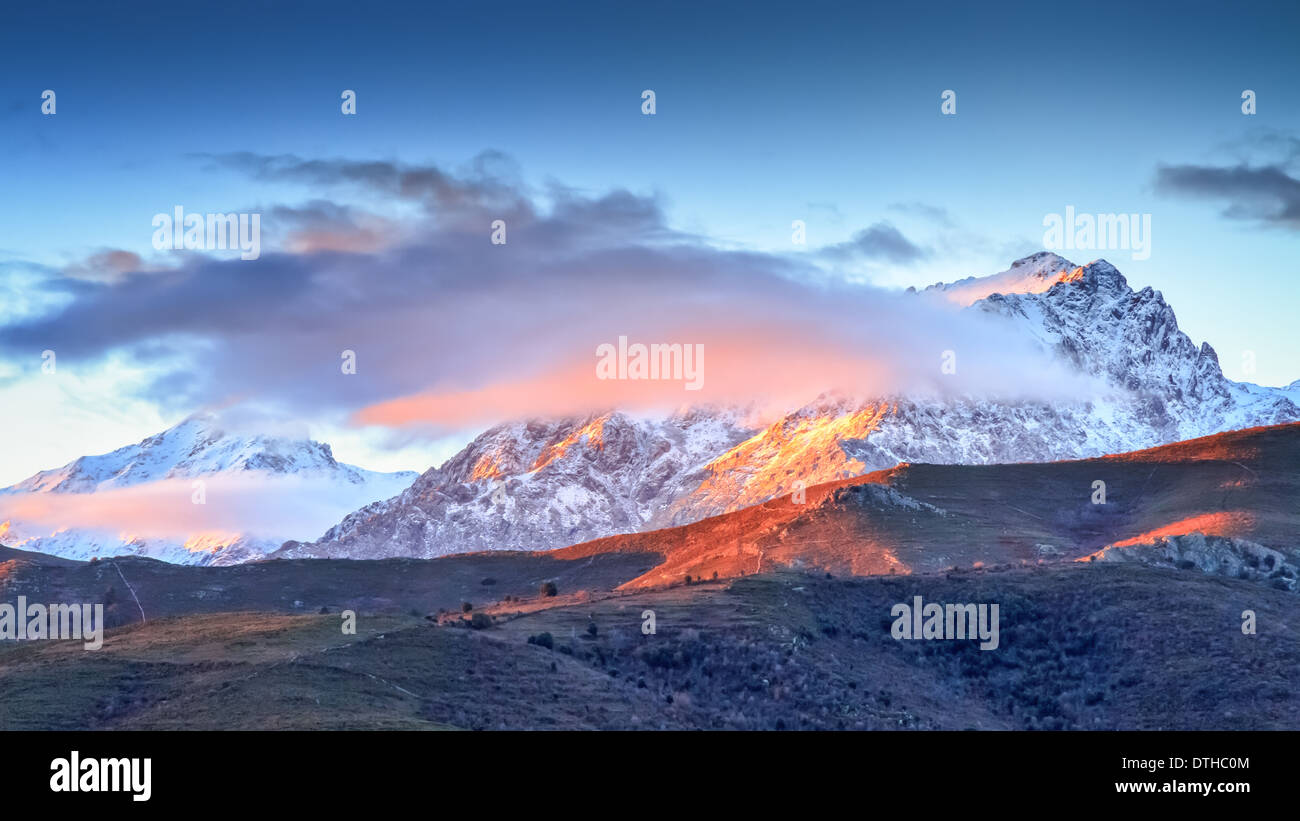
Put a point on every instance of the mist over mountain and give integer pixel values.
(545, 484)
(198, 494)
(192, 494)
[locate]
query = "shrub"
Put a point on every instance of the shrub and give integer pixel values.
(489, 581)
(542, 640)
(465, 607)
(549, 589)
(591, 629)
(480, 620)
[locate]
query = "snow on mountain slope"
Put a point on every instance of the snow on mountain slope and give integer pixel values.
(196, 447)
(1032, 275)
(141, 499)
(549, 484)
(1162, 388)
(539, 485)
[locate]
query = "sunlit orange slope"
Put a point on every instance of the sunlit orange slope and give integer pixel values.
(929, 517)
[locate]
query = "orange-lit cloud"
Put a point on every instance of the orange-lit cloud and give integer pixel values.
(271, 508)
(767, 369)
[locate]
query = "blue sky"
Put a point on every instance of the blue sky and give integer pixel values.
(766, 113)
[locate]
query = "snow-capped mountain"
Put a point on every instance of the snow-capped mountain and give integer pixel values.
(81, 510)
(1034, 274)
(540, 484)
(548, 484)
(1161, 388)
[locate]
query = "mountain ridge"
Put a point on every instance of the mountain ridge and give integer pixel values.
(1161, 388)
(197, 448)
(548, 483)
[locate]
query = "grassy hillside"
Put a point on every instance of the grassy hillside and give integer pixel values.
(772, 641)
(130, 586)
(1087, 646)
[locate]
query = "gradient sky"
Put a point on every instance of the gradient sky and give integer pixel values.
(766, 113)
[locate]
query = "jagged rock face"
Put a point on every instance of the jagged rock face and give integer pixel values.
(539, 485)
(549, 484)
(1131, 339)
(1216, 555)
(1162, 388)
(197, 448)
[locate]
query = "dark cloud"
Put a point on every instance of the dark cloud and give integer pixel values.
(438, 307)
(881, 242)
(489, 183)
(442, 305)
(323, 214)
(1267, 193)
